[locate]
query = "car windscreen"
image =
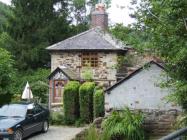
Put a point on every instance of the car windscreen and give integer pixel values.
(13, 110)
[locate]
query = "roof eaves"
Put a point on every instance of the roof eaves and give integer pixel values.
(61, 70)
(94, 50)
(56, 70)
(52, 73)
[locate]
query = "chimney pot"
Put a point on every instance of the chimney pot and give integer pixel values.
(100, 7)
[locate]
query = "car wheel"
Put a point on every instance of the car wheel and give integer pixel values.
(45, 126)
(18, 135)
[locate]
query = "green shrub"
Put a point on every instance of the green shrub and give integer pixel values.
(79, 123)
(99, 104)
(93, 134)
(86, 101)
(99, 87)
(124, 125)
(87, 73)
(56, 118)
(71, 102)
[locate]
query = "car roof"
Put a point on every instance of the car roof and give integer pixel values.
(26, 103)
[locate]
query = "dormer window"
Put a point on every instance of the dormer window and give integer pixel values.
(90, 59)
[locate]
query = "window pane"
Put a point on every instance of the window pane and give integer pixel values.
(90, 59)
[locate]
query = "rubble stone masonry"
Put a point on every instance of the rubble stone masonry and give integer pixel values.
(105, 71)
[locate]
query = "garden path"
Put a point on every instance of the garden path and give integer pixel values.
(57, 133)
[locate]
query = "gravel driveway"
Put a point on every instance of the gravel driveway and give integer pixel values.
(57, 133)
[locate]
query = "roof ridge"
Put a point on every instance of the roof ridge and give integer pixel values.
(111, 39)
(103, 36)
(114, 40)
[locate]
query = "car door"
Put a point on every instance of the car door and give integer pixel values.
(29, 123)
(38, 117)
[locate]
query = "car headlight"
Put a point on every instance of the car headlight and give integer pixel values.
(10, 131)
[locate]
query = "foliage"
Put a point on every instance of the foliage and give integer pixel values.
(87, 73)
(5, 12)
(86, 101)
(38, 82)
(181, 121)
(99, 87)
(131, 36)
(93, 134)
(81, 10)
(179, 95)
(33, 26)
(128, 61)
(6, 41)
(124, 125)
(6, 79)
(79, 123)
(99, 104)
(71, 102)
(165, 22)
(56, 118)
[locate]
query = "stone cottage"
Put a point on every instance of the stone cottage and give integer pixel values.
(94, 50)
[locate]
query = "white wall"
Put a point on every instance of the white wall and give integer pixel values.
(141, 91)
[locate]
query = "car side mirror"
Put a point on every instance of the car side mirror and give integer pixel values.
(29, 113)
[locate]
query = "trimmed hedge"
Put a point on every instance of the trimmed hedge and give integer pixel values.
(71, 102)
(99, 103)
(86, 101)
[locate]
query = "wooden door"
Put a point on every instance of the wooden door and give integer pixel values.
(58, 91)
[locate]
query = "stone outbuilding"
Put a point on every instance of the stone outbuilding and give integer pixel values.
(141, 90)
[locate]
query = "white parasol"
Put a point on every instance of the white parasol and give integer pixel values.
(27, 93)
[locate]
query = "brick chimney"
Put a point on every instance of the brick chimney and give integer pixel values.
(99, 17)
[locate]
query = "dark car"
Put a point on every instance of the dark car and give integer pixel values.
(20, 120)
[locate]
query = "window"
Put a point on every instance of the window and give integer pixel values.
(37, 109)
(89, 59)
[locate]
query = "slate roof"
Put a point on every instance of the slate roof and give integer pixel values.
(92, 40)
(71, 75)
(134, 73)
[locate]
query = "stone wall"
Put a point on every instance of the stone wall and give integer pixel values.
(160, 123)
(157, 123)
(105, 71)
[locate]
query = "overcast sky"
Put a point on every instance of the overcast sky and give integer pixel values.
(118, 13)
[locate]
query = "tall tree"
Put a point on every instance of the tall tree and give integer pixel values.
(132, 36)
(35, 25)
(166, 22)
(6, 78)
(5, 12)
(81, 9)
